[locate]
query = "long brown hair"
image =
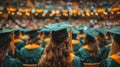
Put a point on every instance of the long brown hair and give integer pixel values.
(102, 40)
(57, 53)
(91, 43)
(4, 47)
(115, 44)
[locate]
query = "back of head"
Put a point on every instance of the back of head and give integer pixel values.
(5, 40)
(58, 36)
(57, 52)
(89, 40)
(115, 32)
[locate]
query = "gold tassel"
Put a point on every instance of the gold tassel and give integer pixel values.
(21, 34)
(71, 38)
(13, 43)
(42, 36)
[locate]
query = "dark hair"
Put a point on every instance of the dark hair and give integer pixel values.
(116, 38)
(89, 40)
(4, 45)
(57, 52)
(35, 40)
(102, 40)
(58, 36)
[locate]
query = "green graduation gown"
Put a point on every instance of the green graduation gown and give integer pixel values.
(113, 61)
(82, 40)
(77, 62)
(76, 46)
(31, 55)
(105, 51)
(45, 42)
(10, 62)
(18, 45)
(86, 58)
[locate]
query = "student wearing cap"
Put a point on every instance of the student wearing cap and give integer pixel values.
(107, 48)
(81, 35)
(108, 37)
(75, 42)
(18, 43)
(32, 51)
(101, 37)
(45, 33)
(114, 57)
(23, 35)
(5, 42)
(102, 42)
(89, 53)
(58, 53)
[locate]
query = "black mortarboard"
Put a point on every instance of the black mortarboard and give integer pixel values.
(32, 33)
(59, 31)
(5, 37)
(91, 32)
(115, 33)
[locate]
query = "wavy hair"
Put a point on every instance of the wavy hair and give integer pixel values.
(57, 53)
(115, 44)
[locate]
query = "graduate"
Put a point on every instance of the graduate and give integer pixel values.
(114, 57)
(18, 43)
(45, 33)
(23, 35)
(32, 51)
(81, 35)
(58, 53)
(108, 46)
(108, 37)
(101, 37)
(102, 42)
(89, 53)
(5, 42)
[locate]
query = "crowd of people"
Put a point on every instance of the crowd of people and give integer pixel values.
(54, 43)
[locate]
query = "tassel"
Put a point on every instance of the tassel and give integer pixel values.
(71, 38)
(42, 36)
(21, 34)
(13, 43)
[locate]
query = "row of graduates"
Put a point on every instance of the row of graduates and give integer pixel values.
(54, 49)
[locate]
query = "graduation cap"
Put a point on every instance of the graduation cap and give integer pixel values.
(115, 33)
(115, 30)
(81, 29)
(32, 33)
(75, 32)
(44, 30)
(18, 31)
(59, 32)
(91, 32)
(5, 37)
(101, 31)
